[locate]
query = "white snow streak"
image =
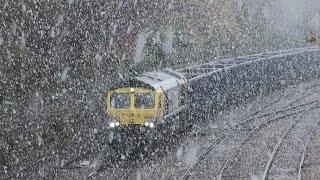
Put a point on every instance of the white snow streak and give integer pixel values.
(114, 28)
(139, 176)
(24, 8)
(168, 43)
(98, 57)
(255, 177)
(142, 38)
(1, 41)
(60, 20)
(23, 40)
(192, 154)
(130, 27)
(179, 152)
(70, 2)
(64, 74)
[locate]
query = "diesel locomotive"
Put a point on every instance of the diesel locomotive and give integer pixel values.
(148, 100)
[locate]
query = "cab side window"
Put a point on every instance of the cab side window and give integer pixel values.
(172, 99)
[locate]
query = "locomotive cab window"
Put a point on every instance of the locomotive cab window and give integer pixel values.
(120, 101)
(144, 101)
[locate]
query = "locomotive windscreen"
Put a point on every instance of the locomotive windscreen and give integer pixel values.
(144, 101)
(120, 100)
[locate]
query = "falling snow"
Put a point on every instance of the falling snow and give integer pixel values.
(1, 40)
(64, 74)
(141, 41)
(58, 59)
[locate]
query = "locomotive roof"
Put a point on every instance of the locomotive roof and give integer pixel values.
(165, 79)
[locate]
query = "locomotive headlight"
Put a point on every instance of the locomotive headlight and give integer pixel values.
(146, 123)
(151, 125)
(113, 121)
(112, 125)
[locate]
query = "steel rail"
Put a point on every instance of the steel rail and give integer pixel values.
(304, 152)
(125, 176)
(233, 154)
(257, 127)
(218, 139)
(284, 135)
(26, 167)
(169, 116)
(100, 168)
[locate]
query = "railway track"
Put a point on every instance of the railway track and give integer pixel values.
(249, 116)
(130, 170)
(237, 151)
(277, 161)
(304, 151)
(234, 167)
(248, 119)
(256, 128)
(309, 163)
(31, 165)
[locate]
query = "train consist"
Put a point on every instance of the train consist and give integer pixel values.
(147, 100)
(153, 99)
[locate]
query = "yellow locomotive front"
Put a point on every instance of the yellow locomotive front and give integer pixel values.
(133, 106)
(145, 100)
